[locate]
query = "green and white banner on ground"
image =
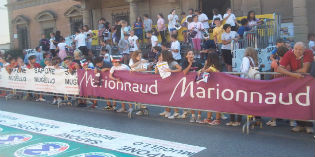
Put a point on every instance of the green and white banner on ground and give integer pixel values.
(27, 136)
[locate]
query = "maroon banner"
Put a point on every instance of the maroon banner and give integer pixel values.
(287, 98)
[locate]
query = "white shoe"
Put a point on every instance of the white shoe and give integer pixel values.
(89, 102)
(41, 99)
(54, 102)
(175, 115)
(229, 124)
(272, 123)
(223, 116)
(184, 115)
(309, 130)
(163, 113)
(139, 113)
(192, 119)
(121, 110)
(236, 124)
(292, 123)
(167, 114)
(199, 120)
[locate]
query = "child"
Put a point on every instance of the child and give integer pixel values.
(105, 55)
(31, 65)
(206, 46)
(116, 67)
(101, 28)
(279, 43)
(133, 42)
(12, 64)
(46, 56)
(212, 65)
(32, 62)
(244, 28)
(104, 44)
(274, 65)
(62, 49)
(123, 46)
(166, 56)
(227, 37)
(217, 34)
(136, 62)
(154, 42)
(191, 64)
(175, 48)
(100, 67)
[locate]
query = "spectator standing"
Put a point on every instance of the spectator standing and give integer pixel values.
(244, 28)
(161, 26)
(227, 37)
(311, 43)
(62, 49)
(174, 67)
(300, 60)
(252, 20)
(203, 18)
(230, 19)
(39, 54)
(147, 23)
(52, 45)
(80, 38)
(89, 35)
(138, 28)
(44, 43)
(172, 21)
(175, 48)
(123, 46)
(217, 34)
(133, 42)
(195, 29)
(216, 15)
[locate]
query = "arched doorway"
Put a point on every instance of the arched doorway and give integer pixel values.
(208, 5)
(22, 31)
(75, 18)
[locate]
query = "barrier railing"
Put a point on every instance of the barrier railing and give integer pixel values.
(72, 98)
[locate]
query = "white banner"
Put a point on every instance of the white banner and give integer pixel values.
(113, 140)
(263, 58)
(41, 79)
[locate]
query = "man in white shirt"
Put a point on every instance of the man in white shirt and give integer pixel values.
(175, 48)
(230, 19)
(203, 18)
(80, 38)
(133, 42)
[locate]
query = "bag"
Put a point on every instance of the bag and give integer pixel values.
(252, 71)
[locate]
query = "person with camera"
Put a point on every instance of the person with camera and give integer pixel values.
(195, 28)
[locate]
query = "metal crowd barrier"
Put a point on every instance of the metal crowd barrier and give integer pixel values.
(247, 126)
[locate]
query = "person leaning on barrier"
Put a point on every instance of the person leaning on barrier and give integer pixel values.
(300, 60)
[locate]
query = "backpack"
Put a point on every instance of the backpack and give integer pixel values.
(252, 71)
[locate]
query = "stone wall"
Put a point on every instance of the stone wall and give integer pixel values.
(34, 27)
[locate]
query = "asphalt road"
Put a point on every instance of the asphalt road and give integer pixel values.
(220, 141)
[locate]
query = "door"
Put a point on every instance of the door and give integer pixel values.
(208, 5)
(22, 32)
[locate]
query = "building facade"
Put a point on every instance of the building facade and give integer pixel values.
(30, 18)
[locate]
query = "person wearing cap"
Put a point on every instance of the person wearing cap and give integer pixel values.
(273, 56)
(117, 66)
